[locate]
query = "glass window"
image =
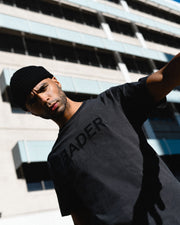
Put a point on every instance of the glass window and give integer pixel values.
(90, 19)
(22, 4)
(137, 64)
(57, 11)
(40, 185)
(120, 27)
(36, 174)
(86, 56)
(143, 66)
(5, 44)
(71, 14)
(64, 52)
(34, 186)
(8, 2)
(160, 38)
(159, 64)
(143, 7)
(115, 1)
(130, 63)
(107, 60)
(11, 43)
(17, 44)
(48, 184)
(34, 5)
(46, 8)
(39, 48)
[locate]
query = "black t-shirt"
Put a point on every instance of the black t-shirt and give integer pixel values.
(101, 161)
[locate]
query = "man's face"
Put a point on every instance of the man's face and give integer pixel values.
(47, 99)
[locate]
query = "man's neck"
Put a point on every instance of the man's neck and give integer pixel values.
(70, 110)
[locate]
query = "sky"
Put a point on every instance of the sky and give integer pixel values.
(177, 1)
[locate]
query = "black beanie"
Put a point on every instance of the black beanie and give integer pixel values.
(24, 80)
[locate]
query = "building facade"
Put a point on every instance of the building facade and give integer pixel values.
(89, 46)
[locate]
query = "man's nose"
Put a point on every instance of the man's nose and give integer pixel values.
(43, 98)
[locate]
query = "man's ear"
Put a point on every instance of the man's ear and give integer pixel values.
(56, 81)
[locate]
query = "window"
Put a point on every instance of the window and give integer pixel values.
(55, 49)
(80, 16)
(39, 48)
(8, 2)
(11, 43)
(160, 38)
(159, 64)
(72, 14)
(143, 7)
(57, 10)
(143, 66)
(137, 64)
(115, 1)
(4, 42)
(107, 59)
(90, 19)
(40, 185)
(120, 27)
(64, 52)
(32, 5)
(37, 176)
(22, 4)
(87, 56)
(48, 8)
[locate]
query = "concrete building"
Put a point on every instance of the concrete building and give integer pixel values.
(90, 46)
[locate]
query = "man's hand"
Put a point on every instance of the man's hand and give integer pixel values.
(163, 81)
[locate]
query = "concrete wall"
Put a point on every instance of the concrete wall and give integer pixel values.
(14, 197)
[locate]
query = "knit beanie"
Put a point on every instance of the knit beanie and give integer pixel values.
(24, 80)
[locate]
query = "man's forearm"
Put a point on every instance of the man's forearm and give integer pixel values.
(171, 72)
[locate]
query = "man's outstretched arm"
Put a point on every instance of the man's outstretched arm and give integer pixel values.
(163, 81)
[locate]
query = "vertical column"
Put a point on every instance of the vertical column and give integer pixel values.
(117, 55)
(143, 44)
(153, 66)
(139, 35)
(24, 43)
(122, 66)
(105, 26)
(134, 27)
(124, 5)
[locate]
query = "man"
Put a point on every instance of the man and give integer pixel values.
(104, 171)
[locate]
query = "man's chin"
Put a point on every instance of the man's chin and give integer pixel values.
(46, 117)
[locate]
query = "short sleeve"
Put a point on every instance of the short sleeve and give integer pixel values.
(65, 192)
(136, 100)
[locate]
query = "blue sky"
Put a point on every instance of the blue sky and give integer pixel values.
(177, 1)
